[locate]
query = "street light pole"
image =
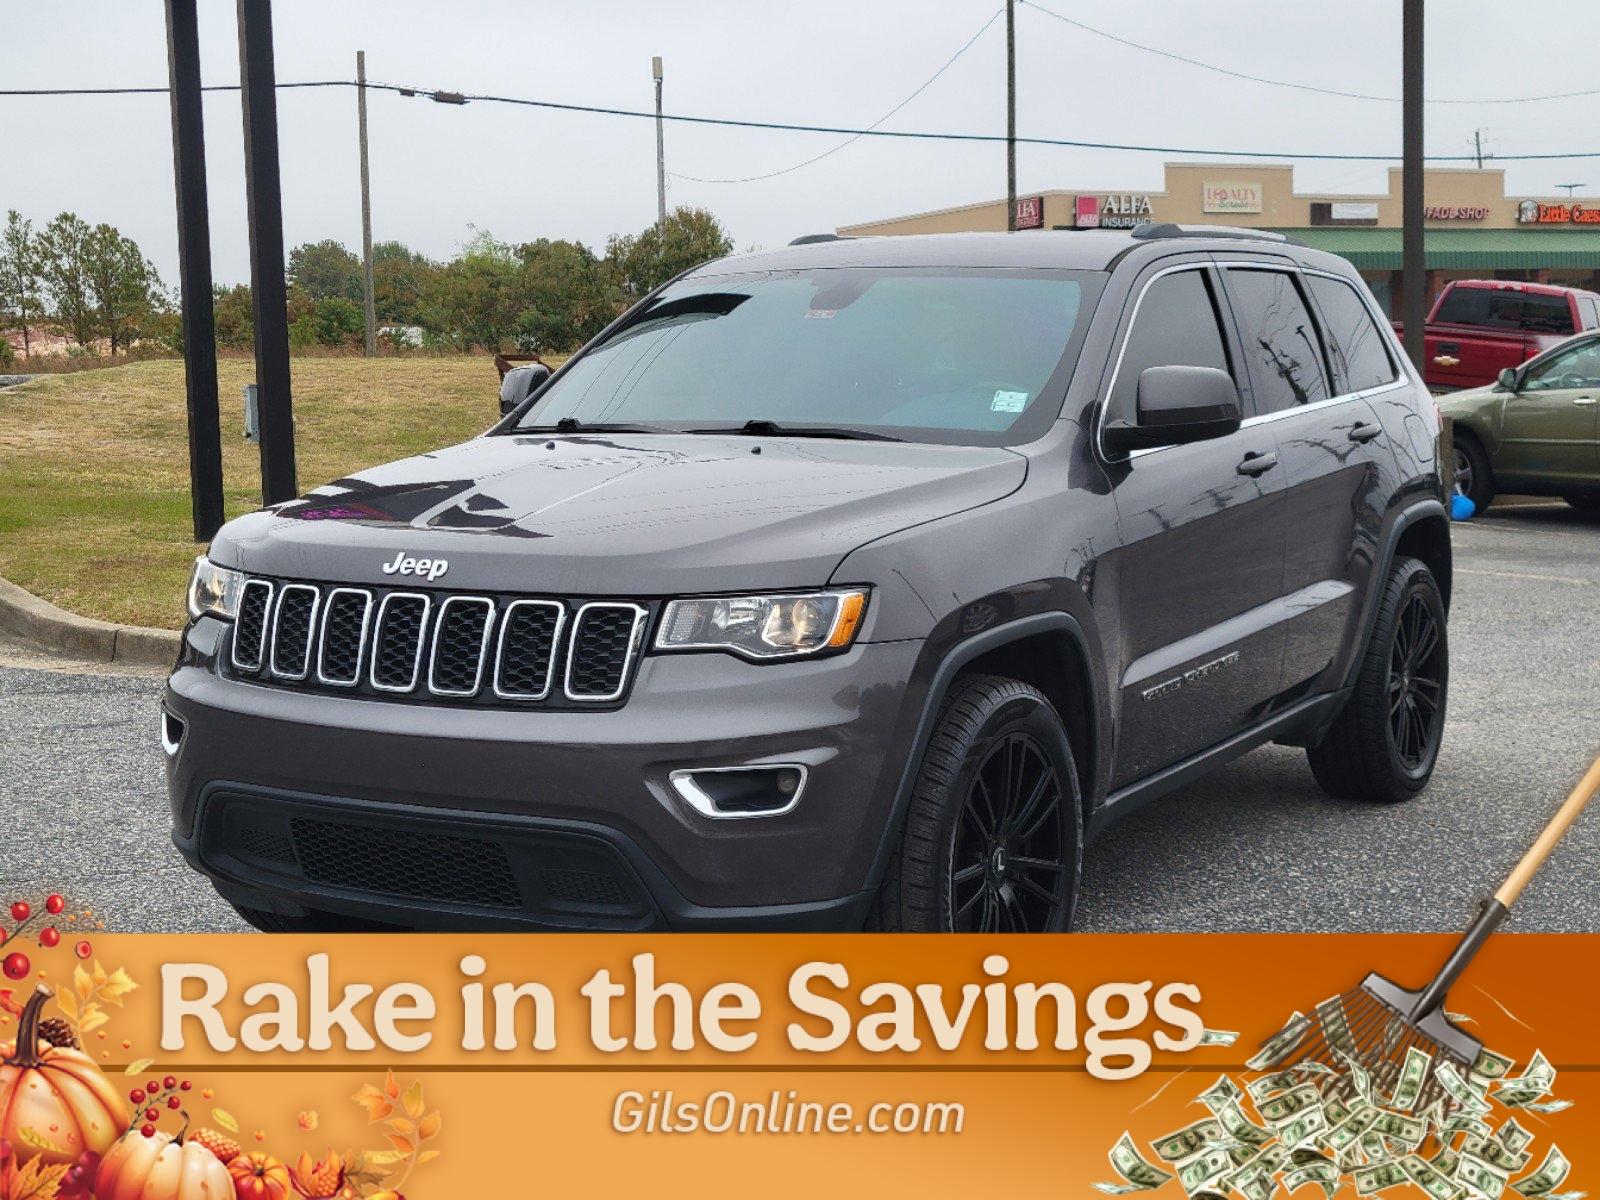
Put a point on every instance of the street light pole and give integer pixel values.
(661, 146)
(1414, 261)
(1011, 115)
(369, 309)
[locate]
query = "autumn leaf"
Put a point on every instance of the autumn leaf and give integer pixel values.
(138, 1066)
(39, 1142)
(9, 1003)
(65, 1001)
(403, 1144)
(34, 1181)
(391, 1088)
(378, 1105)
(225, 1119)
(82, 983)
(385, 1158)
(413, 1099)
(427, 1156)
(93, 1017)
(429, 1127)
(118, 985)
(307, 1120)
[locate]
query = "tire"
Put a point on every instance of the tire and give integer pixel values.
(1589, 503)
(311, 921)
(1378, 749)
(1474, 477)
(948, 872)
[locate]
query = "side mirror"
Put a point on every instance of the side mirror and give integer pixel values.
(519, 383)
(1177, 405)
(1507, 379)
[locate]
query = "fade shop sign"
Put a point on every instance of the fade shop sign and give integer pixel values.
(1124, 210)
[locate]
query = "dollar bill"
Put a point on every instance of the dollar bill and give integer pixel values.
(1281, 1044)
(1137, 1174)
(1348, 1132)
(1551, 1174)
(1240, 1127)
(1402, 1128)
(1413, 1074)
(1358, 1077)
(1286, 1106)
(1218, 1037)
(1512, 1135)
(1336, 1026)
(1220, 1094)
(1376, 1176)
(1480, 1176)
(1303, 1128)
(1204, 1169)
(1538, 1079)
(1546, 1107)
(1489, 1065)
(1464, 1123)
(1495, 1154)
(1254, 1183)
(1277, 1081)
(1446, 1160)
(1323, 1172)
(1191, 1139)
(1459, 1090)
(1429, 1178)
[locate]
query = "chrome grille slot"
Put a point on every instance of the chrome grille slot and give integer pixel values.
(605, 638)
(345, 618)
(530, 631)
(460, 645)
(294, 619)
(402, 628)
(250, 626)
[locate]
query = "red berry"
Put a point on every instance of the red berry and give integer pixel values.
(173, 1102)
(185, 1086)
(49, 936)
(148, 1130)
(53, 903)
(16, 965)
(170, 1082)
(83, 949)
(153, 1086)
(21, 910)
(152, 1114)
(137, 1095)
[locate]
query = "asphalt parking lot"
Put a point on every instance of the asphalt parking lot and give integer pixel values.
(1256, 847)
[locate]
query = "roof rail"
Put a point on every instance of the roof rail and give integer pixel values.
(1167, 229)
(810, 239)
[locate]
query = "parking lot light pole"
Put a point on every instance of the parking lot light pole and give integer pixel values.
(368, 304)
(194, 269)
(1413, 258)
(661, 147)
(264, 204)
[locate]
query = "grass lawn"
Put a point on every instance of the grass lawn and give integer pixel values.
(94, 465)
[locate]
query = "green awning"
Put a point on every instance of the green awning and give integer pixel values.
(1461, 249)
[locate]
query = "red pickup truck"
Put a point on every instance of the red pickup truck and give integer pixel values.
(1479, 326)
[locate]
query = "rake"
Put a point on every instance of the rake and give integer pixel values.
(1376, 1024)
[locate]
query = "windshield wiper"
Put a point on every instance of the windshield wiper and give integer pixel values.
(759, 428)
(573, 425)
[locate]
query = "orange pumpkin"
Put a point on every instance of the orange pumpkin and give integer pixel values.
(57, 1094)
(161, 1167)
(259, 1177)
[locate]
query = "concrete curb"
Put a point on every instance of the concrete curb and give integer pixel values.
(38, 621)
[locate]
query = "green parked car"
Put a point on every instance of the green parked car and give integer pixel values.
(1534, 432)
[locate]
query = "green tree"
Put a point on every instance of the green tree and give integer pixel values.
(643, 261)
(400, 280)
(565, 296)
(63, 268)
(474, 300)
(123, 285)
(338, 322)
(325, 269)
(232, 310)
(21, 267)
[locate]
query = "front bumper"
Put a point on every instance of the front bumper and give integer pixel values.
(436, 816)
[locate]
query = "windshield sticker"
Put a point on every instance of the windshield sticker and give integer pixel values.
(821, 314)
(1009, 402)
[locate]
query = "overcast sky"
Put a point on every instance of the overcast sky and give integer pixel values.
(523, 173)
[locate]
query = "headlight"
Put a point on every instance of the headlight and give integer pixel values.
(764, 626)
(214, 590)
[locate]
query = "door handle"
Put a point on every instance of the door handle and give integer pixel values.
(1364, 431)
(1257, 463)
(1584, 400)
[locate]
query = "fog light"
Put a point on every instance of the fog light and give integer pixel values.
(768, 790)
(171, 734)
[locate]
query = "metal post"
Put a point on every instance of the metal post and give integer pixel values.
(1413, 253)
(661, 146)
(194, 269)
(1011, 115)
(264, 205)
(367, 303)
(1477, 147)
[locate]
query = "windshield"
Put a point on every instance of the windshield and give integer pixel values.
(975, 356)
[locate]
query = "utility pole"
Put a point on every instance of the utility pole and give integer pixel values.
(194, 270)
(1011, 115)
(368, 306)
(1477, 147)
(1414, 260)
(661, 147)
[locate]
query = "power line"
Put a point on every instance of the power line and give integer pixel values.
(1285, 83)
(857, 137)
(161, 91)
(448, 97)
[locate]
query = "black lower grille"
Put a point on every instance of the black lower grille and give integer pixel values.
(583, 887)
(419, 865)
(397, 642)
(602, 647)
(264, 844)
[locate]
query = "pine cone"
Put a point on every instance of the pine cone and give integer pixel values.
(58, 1033)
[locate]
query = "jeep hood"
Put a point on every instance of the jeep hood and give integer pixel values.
(619, 515)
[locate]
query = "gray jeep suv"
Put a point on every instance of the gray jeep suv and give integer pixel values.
(860, 582)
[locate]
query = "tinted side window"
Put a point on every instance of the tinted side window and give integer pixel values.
(1591, 312)
(1280, 340)
(1505, 308)
(1572, 367)
(1176, 326)
(1355, 343)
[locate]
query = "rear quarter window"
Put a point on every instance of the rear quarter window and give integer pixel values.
(1359, 350)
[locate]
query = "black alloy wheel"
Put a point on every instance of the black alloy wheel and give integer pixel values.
(1415, 687)
(1008, 863)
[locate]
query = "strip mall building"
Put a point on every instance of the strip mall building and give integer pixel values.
(1475, 231)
